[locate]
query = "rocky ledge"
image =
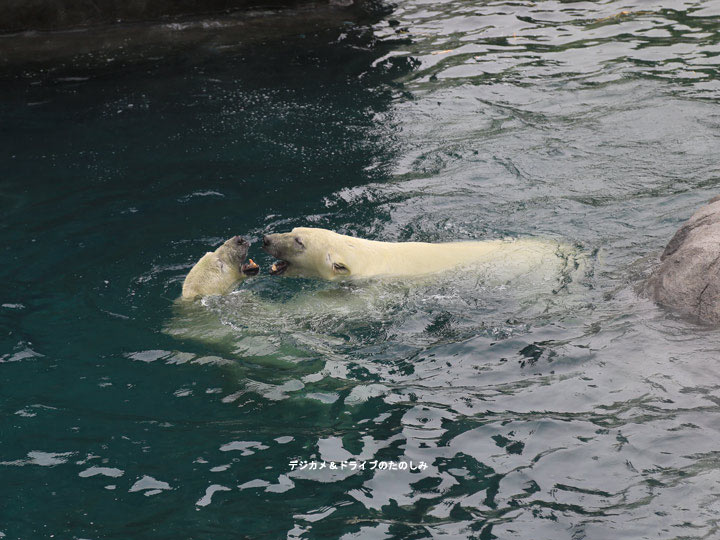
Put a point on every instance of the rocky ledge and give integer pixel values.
(44, 15)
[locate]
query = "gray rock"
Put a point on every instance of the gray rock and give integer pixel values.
(688, 278)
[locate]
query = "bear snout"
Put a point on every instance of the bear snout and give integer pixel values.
(274, 245)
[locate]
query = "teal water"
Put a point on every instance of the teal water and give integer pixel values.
(589, 413)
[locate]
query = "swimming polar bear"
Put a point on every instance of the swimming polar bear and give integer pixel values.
(288, 326)
(217, 272)
(320, 253)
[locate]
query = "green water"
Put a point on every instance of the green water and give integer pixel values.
(588, 413)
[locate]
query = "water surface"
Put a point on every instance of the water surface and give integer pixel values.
(590, 413)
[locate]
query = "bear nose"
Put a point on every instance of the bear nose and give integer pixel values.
(266, 241)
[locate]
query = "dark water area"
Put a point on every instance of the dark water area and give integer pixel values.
(586, 412)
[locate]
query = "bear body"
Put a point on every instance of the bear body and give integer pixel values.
(688, 277)
(408, 274)
(320, 253)
(217, 272)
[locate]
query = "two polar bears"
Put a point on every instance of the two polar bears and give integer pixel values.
(320, 253)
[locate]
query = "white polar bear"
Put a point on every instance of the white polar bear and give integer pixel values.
(250, 324)
(320, 253)
(217, 272)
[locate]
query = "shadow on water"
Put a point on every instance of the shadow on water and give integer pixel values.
(591, 414)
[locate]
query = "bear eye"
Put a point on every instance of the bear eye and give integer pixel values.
(299, 242)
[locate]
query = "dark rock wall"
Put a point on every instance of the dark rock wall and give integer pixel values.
(22, 15)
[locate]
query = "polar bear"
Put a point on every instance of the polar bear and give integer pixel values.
(274, 323)
(320, 253)
(217, 272)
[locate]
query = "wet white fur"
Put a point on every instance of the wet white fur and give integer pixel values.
(332, 256)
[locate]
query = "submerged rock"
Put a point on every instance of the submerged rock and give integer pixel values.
(688, 278)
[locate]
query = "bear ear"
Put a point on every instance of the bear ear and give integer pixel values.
(338, 267)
